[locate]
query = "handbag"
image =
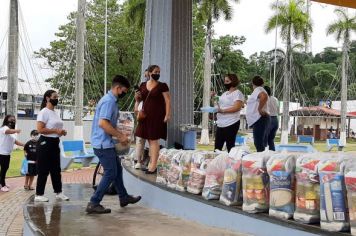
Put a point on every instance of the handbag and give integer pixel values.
(141, 115)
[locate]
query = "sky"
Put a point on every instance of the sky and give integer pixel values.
(43, 17)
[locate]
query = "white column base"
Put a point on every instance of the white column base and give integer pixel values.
(204, 139)
(78, 133)
(342, 141)
(284, 137)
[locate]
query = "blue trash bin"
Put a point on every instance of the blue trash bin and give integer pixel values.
(189, 140)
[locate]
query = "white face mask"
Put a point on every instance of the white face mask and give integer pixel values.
(35, 138)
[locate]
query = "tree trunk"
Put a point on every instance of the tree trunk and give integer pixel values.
(79, 78)
(286, 92)
(204, 139)
(344, 93)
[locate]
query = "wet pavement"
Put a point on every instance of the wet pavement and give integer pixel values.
(69, 218)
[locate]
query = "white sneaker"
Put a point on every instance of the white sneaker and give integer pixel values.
(39, 198)
(138, 166)
(5, 189)
(61, 196)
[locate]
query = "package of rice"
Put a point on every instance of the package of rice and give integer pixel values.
(350, 182)
(281, 169)
(215, 176)
(174, 170)
(255, 182)
(125, 125)
(184, 170)
(307, 197)
(164, 164)
(231, 193)
(333, 200)
(200, 161)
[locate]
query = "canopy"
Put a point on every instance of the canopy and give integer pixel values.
(343, 3)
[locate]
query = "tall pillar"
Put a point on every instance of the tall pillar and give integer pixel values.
(169, 44)
(13, 60)
(79, 76)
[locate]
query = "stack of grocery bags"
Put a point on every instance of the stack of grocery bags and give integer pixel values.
(309, 188)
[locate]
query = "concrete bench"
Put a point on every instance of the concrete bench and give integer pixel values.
(240, 140)
(74, 149)
(305, 139)
(333, 142)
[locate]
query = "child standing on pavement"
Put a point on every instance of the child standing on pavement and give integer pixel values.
(31, 156)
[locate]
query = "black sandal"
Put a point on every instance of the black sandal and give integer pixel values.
(148, 172)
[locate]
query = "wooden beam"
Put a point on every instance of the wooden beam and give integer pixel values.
(342, 3)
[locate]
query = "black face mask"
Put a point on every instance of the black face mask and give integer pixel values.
(54, 102)
(122, 95)
(11, 125)
(155, 76)
(228, 86)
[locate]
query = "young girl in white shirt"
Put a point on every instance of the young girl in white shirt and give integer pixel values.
(7, 142)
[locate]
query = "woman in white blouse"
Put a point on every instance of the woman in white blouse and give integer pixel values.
(257, 115)
(50, 126)
(228, 116)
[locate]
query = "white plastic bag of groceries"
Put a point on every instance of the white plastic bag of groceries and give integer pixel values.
(215, 177)
(200, 161)
(125, 125)
(184, 170)
(307, 193)
(164, 163)
(231, 193)
(255, 182)
(174, 170)
(281, 169)
(333, 200)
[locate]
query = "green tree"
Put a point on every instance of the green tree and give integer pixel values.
(342, 28)
(125, 43)
(294, 23)
(135, 12)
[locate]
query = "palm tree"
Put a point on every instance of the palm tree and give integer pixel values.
(342, 28)
(135, 12)
(209, 10)
(294, 23)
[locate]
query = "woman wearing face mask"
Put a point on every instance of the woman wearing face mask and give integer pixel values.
(50, 127)
(228, 117)
(257, 115)
(157, 107)
(7, 141)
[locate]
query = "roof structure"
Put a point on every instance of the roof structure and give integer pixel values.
(342, 3)
(26, 88)
(319, 111)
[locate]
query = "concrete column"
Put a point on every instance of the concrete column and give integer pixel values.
(79, 78)
(13, 60)
(168, 43)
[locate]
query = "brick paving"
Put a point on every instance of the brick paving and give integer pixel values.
(11, 214)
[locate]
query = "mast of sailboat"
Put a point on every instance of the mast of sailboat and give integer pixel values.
(106, 47)
(13, 59)
(79, 78)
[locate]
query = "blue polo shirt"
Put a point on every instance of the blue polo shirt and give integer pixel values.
(106, 109)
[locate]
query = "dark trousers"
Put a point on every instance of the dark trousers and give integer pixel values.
(48, 162)
(272, 130)
(226, 134)
(112, 174)
(4, 165)
(260, 128)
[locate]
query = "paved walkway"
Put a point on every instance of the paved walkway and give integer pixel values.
(11, 215)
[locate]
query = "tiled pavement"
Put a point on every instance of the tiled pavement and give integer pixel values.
(11, 216)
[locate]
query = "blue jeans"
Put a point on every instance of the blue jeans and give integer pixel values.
(260, 129)
(112, 174)
(273, 127)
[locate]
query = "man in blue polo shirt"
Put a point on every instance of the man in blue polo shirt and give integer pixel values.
(103, 131)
